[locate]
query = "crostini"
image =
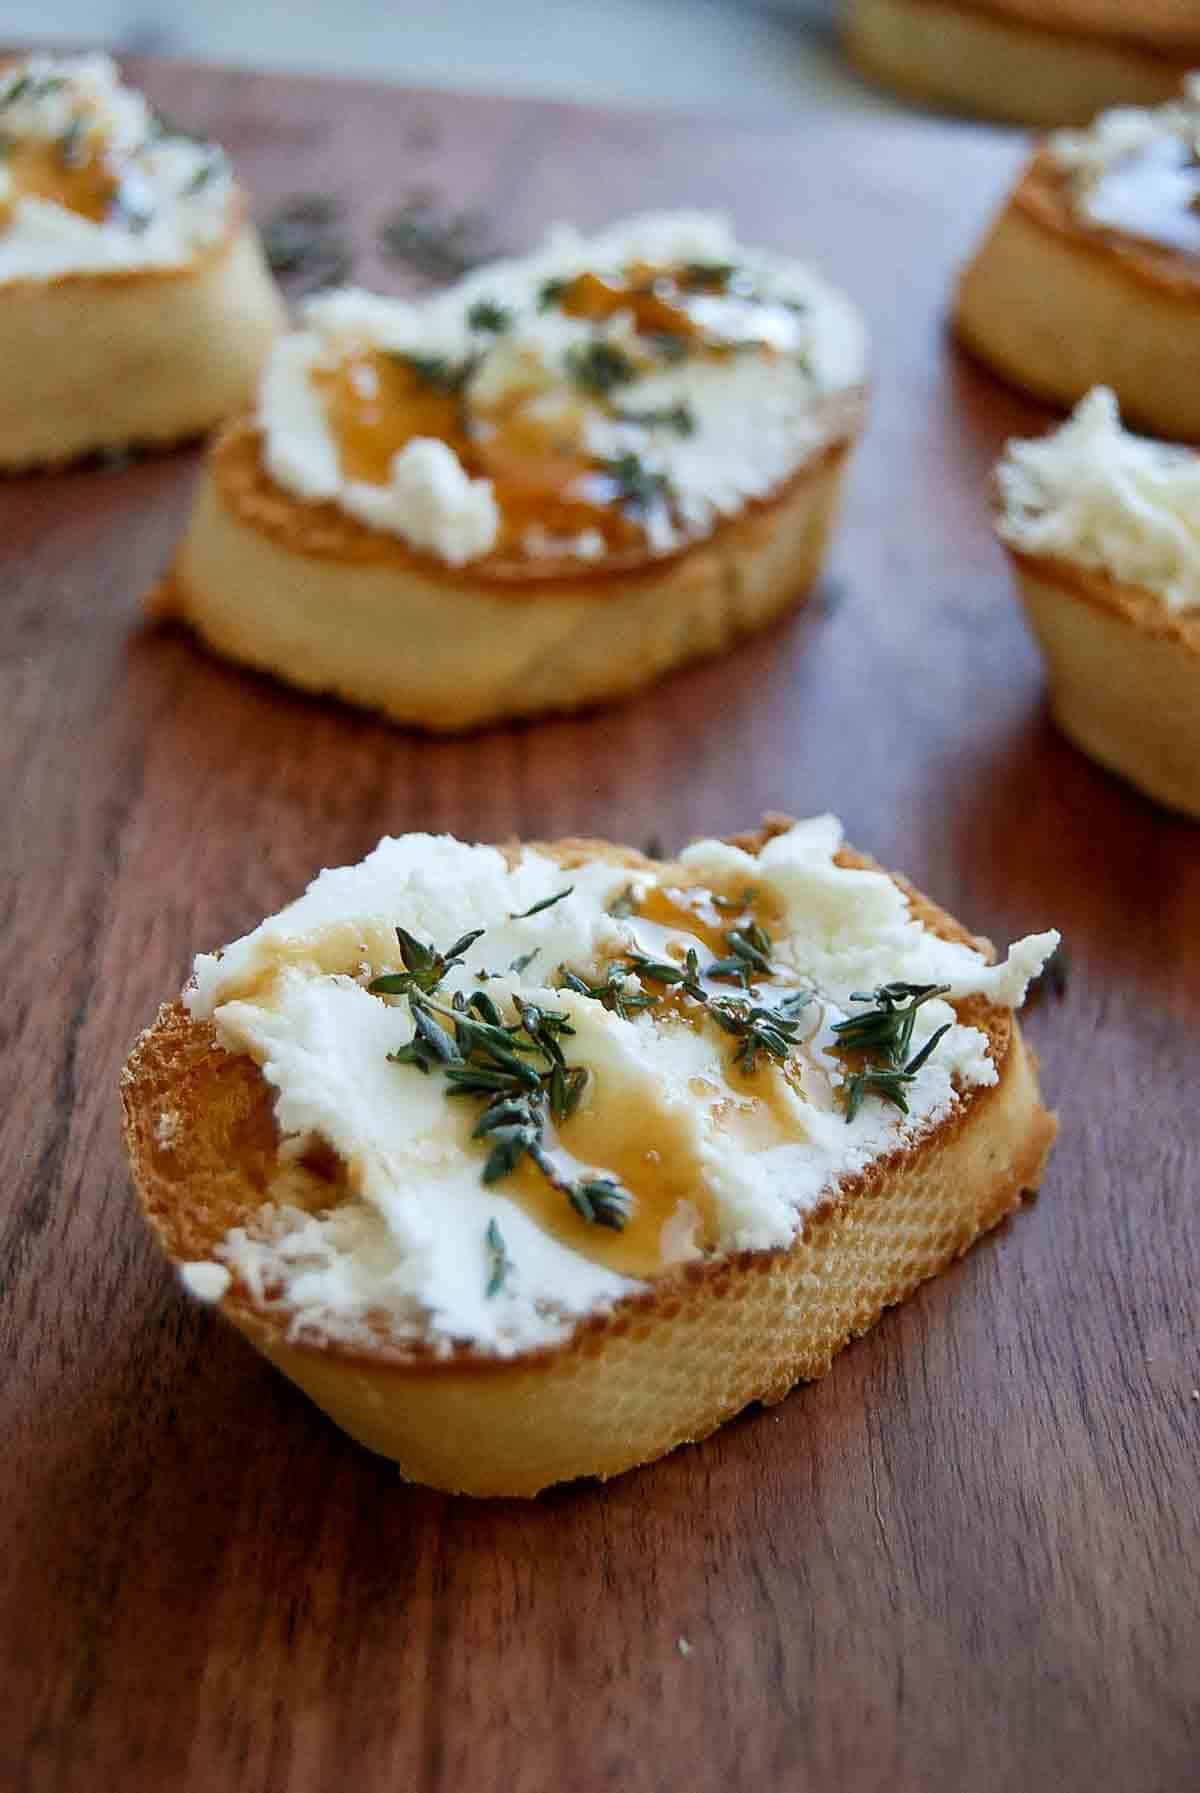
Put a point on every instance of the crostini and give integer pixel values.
(1103, 530)
(135, 306)
(540, 489)
(1090, 275)
(1031, 62)
(533, 1163)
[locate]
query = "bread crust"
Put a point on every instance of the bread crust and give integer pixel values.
(1020, 61)
(1123, 672)
(121, 357)
(662, 1367)
(1057, 307)
(311, 594)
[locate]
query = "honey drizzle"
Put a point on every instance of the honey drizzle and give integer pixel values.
(38, 170)
(543, 477)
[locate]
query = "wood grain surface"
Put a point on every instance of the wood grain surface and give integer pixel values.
(967, 1559)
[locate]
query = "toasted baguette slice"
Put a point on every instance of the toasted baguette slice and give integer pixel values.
(111, 360)
(1023, 61)
(662, 1367)
(1058, 307)
(310, 594)
(1124, 674)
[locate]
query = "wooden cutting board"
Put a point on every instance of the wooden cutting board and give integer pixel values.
(967, 1559)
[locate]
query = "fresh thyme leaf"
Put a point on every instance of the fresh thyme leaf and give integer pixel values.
(424, 967)
(551, 292)
(884, 1033)
(638, 489)
(437, 371)
(303, 237)
(668, 344)
(546, 903)
(623, 905)
(487, 314)
(599, 365)
(518, 1068)
(499, 1262)
(602, 1201)
(611, 993)
(72, 146)
(436, 243)
(704, 276)
(679, 418)
(523, 961)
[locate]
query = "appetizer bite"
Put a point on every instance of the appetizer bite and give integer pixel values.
(1091, 273)
(135, 306)
(533, 1163)
(1103, 530)
(1033, 62)
(541, 488)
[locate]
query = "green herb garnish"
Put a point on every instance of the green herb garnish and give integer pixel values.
(611, 993)
(433, 242)
(551, 292)
(499, 1262)
(480, 1054)
(303, 238)
(437, 372)
(424, 967)
(638, 488)
(707, 276)
(884, 1034)
(546, 903)
(599, 365)
(487, 315)
(679, 418)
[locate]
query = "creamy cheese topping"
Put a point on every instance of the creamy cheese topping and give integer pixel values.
(1137, 170)
(91, 181)
(629, 390)
(1094, 494)
(409, 1240)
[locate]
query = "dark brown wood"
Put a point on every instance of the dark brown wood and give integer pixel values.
(967, 1559)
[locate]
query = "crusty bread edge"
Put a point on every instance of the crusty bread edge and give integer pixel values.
(534, 1417)
(1123, 674)
(98, 360)
(977, 61)
(326, 604)
(1056, 308)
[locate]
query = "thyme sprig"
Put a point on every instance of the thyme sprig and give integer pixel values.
(499, 1262)
(304, 239)
(518, 1068)
(490, 316)
(680, 418)
(884, 1034)
(638, 489)
(546, 903)
(598, 365)
(438, 244)
(758, 1028)
(438, 372)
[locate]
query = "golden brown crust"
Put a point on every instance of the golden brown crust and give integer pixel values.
(1165, 31)
(325, 531)
(1043, 194)
(309, 594)
(130, 357)
(1017, 60)
(1131, 604)
(1124, 675)
(212, 1170)
(1058, 307)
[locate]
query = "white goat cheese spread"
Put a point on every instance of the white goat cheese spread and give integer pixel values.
(630, 389)
(92, 182)
(1093, 493)
(713, 1159)
(1136, 170)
